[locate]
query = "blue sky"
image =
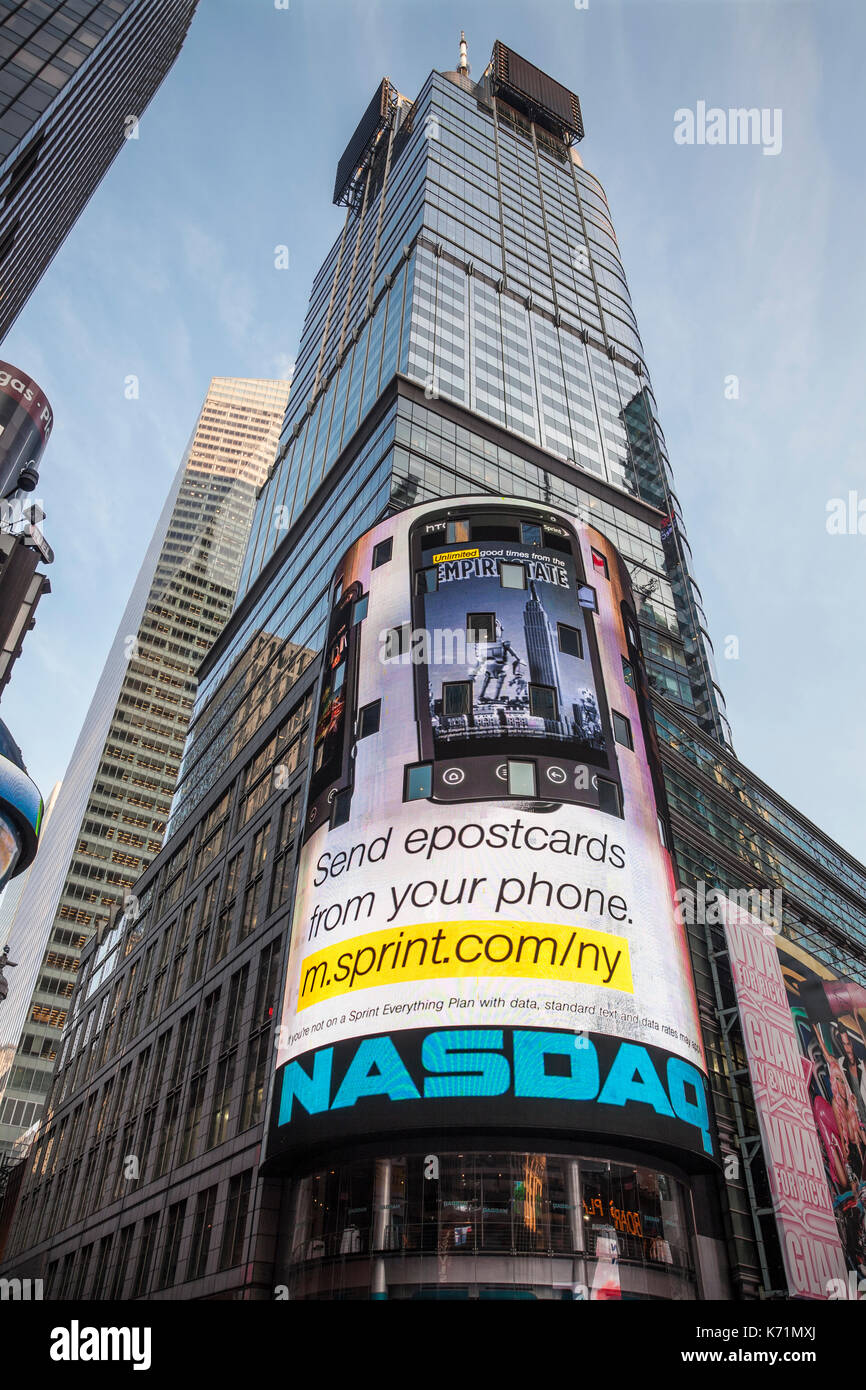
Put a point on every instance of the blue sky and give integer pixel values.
(739, 264)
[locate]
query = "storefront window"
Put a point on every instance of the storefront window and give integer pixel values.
(578, 1220)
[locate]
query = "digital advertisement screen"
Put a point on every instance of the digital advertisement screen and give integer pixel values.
(778, 1072)
(830, 1021)
(484, 929)
(520, 653)
(25, 424)
(21, 804)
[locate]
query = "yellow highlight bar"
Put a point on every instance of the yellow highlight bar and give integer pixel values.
(451, 950)
(455, 555)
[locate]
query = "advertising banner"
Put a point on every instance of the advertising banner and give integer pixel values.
(830, 1021)
(484, 927)
(780, 1074)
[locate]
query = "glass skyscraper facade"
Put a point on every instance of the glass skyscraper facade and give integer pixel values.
(477, 260)
(111, 811)
(469, 333)
(73, 74)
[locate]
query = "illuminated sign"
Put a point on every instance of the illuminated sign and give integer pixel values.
(802, 1207)
(487, 861)
(830, 1021)
(392, 1079)
(25, 425)
(21, 807)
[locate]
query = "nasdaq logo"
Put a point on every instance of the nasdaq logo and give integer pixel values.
(464, 1063)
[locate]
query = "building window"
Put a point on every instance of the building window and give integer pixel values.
(184, 1037)
(121, 1265)
(65, 1276)
(258, 1052)
(622, 730)
(542, 701)
(144, 1138)
(80, 1283)
(628, 673)
(359, 609)
(250, 912)
(284, 859)
(145, 1255)
(341, 808)
(193, 1117)
(221, 1113)
(368, 719)
(587, 598)
(599, 563)
(456, 699)
(609, 798)
(382, 552)
(199, 948)
(266, 984)
(427, 581)
(201, 1233)
(521, 778)
(396, 642)
(530, 533)
(419, 782)
(512, 576)
(481, 627)
(456, 532)
(234, 1008)
(171, 1248)
(570, 640)
(167, 1132)
(103, 1265)
(206, 1030)
(213, 833)
(7, 241)
(231, 1249)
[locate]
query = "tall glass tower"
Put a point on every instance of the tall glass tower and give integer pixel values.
(469, 333)
(477, 278)
(111, 810)
(472, 451)
(75, 76)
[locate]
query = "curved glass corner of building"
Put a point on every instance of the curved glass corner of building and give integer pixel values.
(20, 810)
(505, 1224)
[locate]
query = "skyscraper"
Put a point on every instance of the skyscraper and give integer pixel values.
(111, 811)
(477, 277)
(471, 428)
(75, 76)
(540, 644)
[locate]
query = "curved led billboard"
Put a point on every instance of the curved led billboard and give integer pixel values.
(25, 425)
(20, 810)
(484, 932)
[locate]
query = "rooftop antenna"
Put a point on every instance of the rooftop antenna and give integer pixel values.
(463, 64)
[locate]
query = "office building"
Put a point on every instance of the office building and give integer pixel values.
(112, 808)
(472, 451)
(75, 77)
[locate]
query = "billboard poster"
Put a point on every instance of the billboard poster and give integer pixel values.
(484, 926)
(781, 1078)
(518, 653)
(829, 1016)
